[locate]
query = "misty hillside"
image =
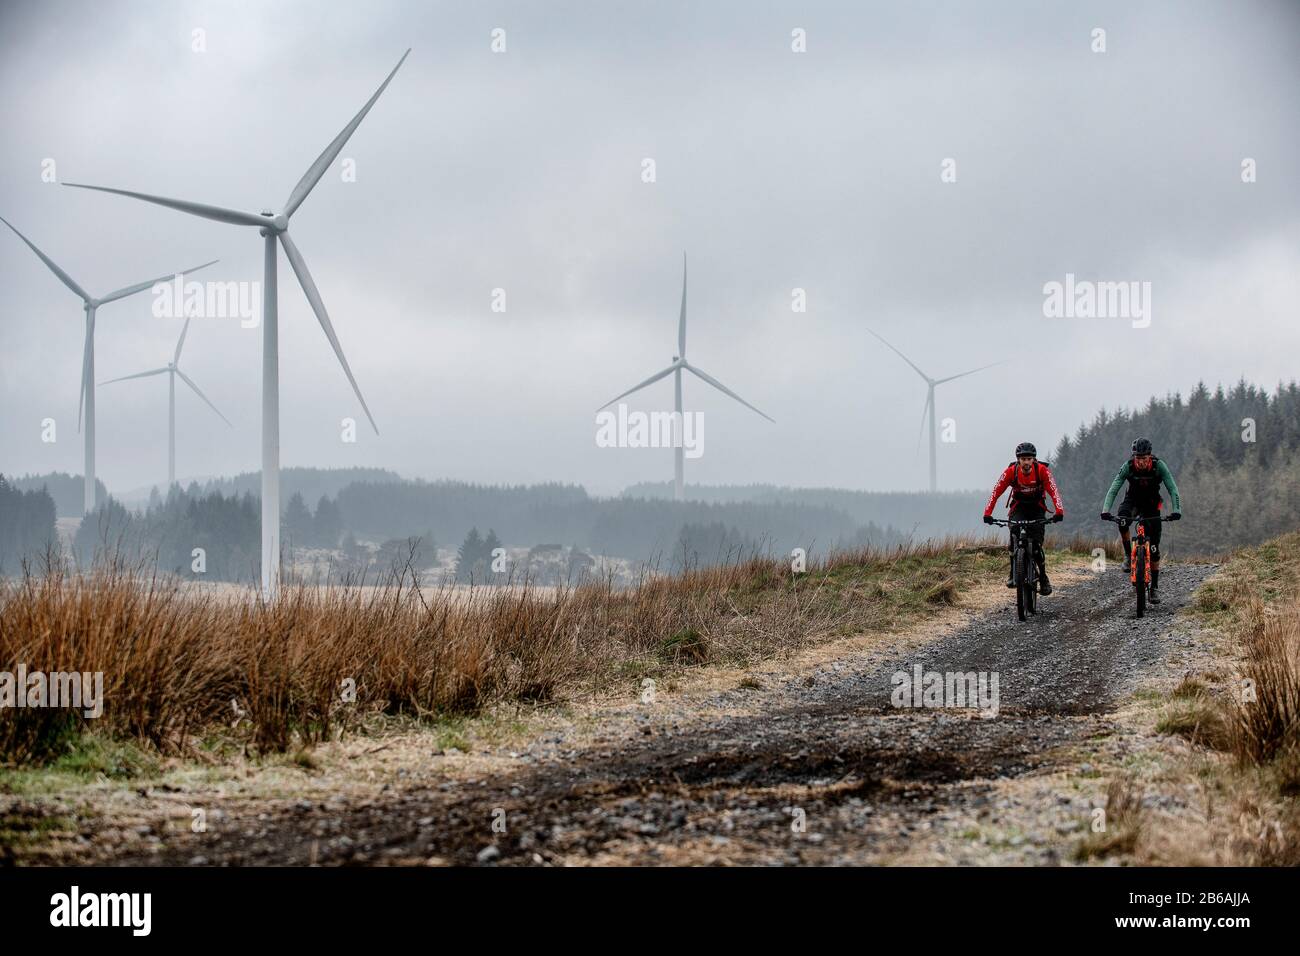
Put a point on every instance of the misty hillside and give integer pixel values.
(639, 529)
(1240, 484)
(918, 514)
(1234, 454)
(311, 483)
(66, 490)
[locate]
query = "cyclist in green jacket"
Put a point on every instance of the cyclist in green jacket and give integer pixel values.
(1145, 474)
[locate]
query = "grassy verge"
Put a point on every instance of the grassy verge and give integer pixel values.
(189, 673)
(1241, 716)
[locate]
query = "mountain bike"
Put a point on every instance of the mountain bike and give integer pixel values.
(1139, 555)
(1024, 567)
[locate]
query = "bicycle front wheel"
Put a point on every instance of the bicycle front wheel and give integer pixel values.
(1024, 588)
(1140, 579)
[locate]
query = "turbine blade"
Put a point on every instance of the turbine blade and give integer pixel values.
(940, 381)
(63, 276)
(190, 382)
(317, 306)
(317, 170)
(220, 214)
(176, 356)
(155, 371)
(141, 286)
(903, 357)
(85, 377)
(681, 323)
(650, 381)
(726, 391)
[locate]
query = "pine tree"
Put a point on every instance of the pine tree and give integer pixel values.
(470, 555)
(297, 523)
(490, 546)
(327, 524)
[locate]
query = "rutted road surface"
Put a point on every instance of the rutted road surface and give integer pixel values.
(816, 767)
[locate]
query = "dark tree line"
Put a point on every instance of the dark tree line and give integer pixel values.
(225, 531)
(68, 491)
(311, 483)
(1235, 454)
(27, 526)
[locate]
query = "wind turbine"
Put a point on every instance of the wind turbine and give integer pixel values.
(929, 401)
(172, 371)
(679, 364)
(273, 226)
(87, 397)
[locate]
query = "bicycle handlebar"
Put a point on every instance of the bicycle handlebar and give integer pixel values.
(1011, 522)
(1121, 520)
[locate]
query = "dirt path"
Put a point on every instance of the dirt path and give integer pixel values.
(813, 765)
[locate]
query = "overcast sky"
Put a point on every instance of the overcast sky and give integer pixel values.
(522, 170)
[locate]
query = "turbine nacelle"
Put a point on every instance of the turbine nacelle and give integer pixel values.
(679, 364)
(276, 223)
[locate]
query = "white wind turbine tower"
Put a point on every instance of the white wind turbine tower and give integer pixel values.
(272, 227)
(929, 401)
(87, 398)
(679, 364)
(172, 371)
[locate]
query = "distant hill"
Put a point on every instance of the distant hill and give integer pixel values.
(638, 529)
(311, 483)
(918, 514)
(68, 491)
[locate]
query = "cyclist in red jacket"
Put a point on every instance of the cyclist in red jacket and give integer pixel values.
(1030, 481)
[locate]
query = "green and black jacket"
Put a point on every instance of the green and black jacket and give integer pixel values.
(1144, 486)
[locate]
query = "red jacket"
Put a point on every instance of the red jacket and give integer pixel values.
(1030, 490)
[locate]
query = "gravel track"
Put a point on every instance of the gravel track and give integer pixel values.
(815, 769)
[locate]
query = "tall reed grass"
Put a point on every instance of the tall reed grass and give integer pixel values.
(181, 662)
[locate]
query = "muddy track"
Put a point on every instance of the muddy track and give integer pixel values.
(820, 769)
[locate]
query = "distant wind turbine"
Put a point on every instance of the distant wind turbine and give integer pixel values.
(272, 227)
(679, 364)
(929, 401)
(87, 397)
(172, 371)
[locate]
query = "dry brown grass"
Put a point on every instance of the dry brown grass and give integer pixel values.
(1266, 712)
(1122, 825)
(1257, 602)
(180, 665)
(1250, 712)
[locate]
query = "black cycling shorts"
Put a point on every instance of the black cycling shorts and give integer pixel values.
(1129, 509)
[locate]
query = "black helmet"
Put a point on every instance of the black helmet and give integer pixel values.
(1026, 448)
(1142, 446)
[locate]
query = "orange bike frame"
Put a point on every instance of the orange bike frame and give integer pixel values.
(1146, 565)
